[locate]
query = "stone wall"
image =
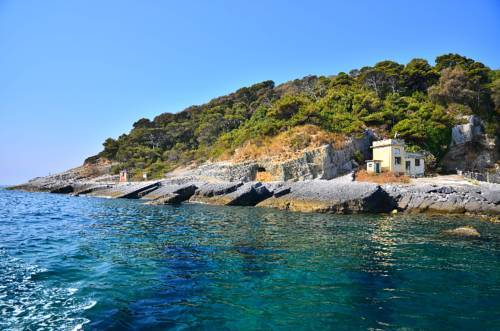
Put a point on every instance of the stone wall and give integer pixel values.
(490, 177)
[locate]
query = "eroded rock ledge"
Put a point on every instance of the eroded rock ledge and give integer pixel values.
(341, 195)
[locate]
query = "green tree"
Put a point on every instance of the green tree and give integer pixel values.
(111, 147)
(418, 76)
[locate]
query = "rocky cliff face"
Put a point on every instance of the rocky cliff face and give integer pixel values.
(324, 162)
(470, 149)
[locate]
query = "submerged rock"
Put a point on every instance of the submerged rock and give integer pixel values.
(463, 231)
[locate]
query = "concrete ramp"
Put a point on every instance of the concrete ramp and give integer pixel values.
(126, 190)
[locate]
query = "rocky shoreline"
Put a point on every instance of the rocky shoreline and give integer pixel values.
(341, 195)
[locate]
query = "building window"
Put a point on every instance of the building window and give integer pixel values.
(397, 160)
(397, 151)
(417, 162)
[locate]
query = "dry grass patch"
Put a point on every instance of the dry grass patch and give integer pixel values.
(382, 178)
(264, 176)
(288, 144)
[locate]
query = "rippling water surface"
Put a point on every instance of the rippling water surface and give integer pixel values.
(70, 263)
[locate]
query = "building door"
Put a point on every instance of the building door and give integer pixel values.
(408, 166)
(377, 168)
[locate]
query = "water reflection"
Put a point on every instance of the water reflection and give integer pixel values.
(375, 278)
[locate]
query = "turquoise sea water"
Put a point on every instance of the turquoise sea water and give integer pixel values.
(96, 264)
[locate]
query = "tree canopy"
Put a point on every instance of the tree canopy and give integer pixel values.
(418, 101)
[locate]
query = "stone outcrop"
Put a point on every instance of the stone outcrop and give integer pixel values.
(168, 193)
(470, 149)
(446, 199)
(248, 194)
(332, 197)
(340, 195)
(215, 189)
(167, 188)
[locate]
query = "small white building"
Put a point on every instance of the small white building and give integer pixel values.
(389, 155)
(374, 166)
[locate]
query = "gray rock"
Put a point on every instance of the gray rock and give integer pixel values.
(166, 189)
(171, 198)
(215, 189)
(68, 181)
(126, 190)
(281, 191)
(333, 197)
(491, 195)
(89, 188)
(456, 200)
(64, 189)
(471, 149)
(464, 133)
(249, 194)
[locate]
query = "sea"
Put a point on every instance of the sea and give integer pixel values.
(84, 263)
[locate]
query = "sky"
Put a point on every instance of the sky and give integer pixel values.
(73, 73)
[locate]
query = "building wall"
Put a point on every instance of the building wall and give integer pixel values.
(387, 155)
(387, 150)
(398, 168)
(383, 154)
(371, 167)
(414, 170)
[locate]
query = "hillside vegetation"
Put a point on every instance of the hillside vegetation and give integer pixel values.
(419, 101)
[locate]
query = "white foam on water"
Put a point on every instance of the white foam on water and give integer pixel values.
(72, 290)
(27, 303)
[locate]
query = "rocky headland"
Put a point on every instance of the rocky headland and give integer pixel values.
(341, 195)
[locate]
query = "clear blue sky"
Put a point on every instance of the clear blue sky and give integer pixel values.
(73, 73)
